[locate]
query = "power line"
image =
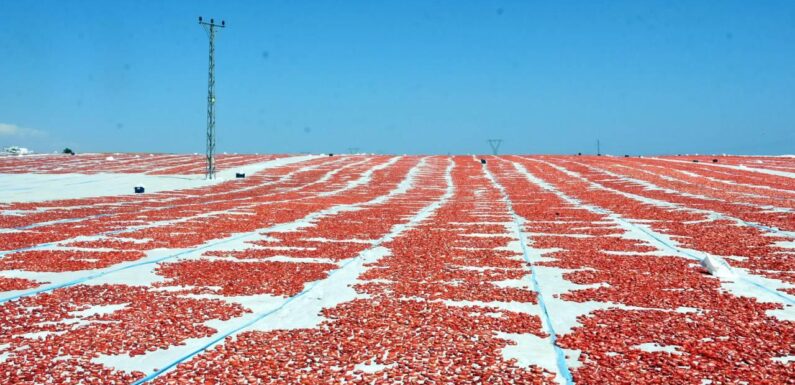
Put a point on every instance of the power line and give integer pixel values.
(495, 145)
(210, 29)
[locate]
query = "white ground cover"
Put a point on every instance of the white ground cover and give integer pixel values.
(42, 187)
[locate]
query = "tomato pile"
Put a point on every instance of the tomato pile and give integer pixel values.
(405, 269)
(709, 224)
(9, 284)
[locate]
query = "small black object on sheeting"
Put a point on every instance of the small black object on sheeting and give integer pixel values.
(331, 154)
(626, 156)
(482, 161)
(139, 189)
(714, 161)
(579, 153)
(695, 160)
(240, 175)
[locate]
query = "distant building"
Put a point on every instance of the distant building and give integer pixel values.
(15, 150)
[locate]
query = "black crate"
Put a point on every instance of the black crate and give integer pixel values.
(139, 189)
(240, 175)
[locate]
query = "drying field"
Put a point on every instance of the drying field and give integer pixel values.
(397, 270)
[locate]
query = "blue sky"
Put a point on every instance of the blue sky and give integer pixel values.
(402, 76)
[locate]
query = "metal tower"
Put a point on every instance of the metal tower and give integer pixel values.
(210, 29)
(495, 145)
(598, 148)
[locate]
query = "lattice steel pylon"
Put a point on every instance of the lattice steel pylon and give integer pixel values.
(495, 145)
(210, 29)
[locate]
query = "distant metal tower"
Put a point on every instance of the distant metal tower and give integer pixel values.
(598, 148)
(495, 145)
(210, 29)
